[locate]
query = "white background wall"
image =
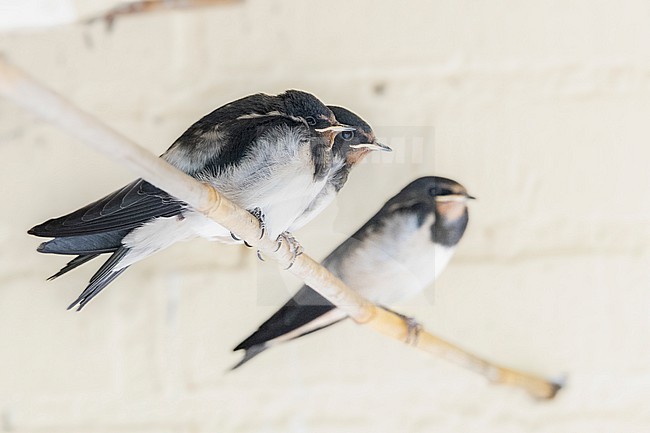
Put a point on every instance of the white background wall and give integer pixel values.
(540, 108)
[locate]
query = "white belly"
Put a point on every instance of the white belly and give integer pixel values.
(390, 269)
(281, 189)
(283, 204)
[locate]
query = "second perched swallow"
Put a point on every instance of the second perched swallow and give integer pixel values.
(394, 256)
(268, 154)
(349, 148)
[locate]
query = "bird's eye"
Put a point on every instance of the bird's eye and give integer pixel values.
(435, 191)
(347, 135)
(311, 121)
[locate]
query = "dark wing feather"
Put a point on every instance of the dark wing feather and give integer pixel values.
(305, 306)
(123, 209)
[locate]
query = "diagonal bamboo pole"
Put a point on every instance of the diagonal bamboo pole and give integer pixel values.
(148, 6)
(28, 93)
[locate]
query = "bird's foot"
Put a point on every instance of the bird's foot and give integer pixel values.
(413, 327)
(259, 215)
(294, 247)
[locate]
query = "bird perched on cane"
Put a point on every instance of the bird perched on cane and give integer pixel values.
(269, 154)
(393, 256)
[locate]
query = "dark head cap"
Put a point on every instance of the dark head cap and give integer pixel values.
(307, 107)
(436, 189)
(354, 145)
(347, 117)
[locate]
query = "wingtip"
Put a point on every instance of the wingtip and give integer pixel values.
(246, 344)
(39, 230)
(250, 353)
(240, 346)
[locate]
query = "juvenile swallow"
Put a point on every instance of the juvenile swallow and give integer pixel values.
(269, 154)
(395, 255)
(350, 147)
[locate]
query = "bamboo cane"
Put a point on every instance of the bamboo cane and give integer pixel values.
(36, 98)
(148, 6)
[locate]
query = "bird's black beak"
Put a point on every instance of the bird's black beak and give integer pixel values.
(372, 146)
(470, 197)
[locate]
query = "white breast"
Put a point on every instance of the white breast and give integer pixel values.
(278, 178)
(322, 200)
(397, 263)
(284, 201)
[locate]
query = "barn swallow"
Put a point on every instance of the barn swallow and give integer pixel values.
(395, 255)
(268, 154)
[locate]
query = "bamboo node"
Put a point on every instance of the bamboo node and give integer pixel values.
(413, 329)
(371, 313)
(212, 200)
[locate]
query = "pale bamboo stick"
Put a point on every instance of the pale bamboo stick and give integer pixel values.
(27, 92)
(148, 6)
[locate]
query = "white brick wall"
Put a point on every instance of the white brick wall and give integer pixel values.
(540, 108)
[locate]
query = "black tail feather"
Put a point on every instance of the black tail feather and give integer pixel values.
(77, 261)
(94, 288)
(102, 278)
